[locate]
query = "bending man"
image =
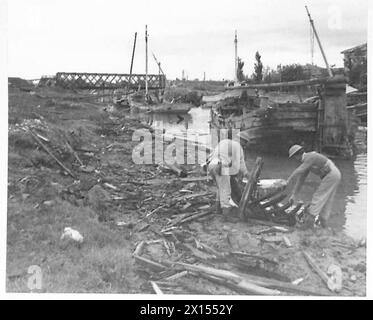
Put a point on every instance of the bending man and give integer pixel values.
(322, 200)
(224, 164)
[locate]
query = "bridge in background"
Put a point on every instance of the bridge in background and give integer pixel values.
(79, 80)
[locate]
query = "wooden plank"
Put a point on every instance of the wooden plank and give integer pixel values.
(299, 83)
(296, 107)
(240, 282)
(156, 289)
(272, 201)
(299, 115)
(279, 127)
(176, 276)
(139, 248)
(250, 187)
(281, 285)
(316, 268)
(51, 154)
(150, 263)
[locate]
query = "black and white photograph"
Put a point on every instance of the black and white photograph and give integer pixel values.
(185, 148)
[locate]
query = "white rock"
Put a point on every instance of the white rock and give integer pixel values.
(335, 279)
(69, 233)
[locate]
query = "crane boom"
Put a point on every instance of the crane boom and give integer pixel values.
(319, 43)
(158, 63)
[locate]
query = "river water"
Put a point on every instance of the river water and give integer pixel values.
(350, 206)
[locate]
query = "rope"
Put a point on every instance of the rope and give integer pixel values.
(312, 38)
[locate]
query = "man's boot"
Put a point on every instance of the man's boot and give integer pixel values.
(218, 207)
(236, 192)
(230, 214)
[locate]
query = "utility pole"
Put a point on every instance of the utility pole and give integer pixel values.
(146, 61)
(235, 58)
(133, 55)
(319, 43)
(204, 76)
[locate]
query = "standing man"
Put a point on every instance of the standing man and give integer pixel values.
(322, 200)
(224, 164)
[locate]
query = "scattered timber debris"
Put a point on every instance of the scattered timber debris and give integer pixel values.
(333, 283)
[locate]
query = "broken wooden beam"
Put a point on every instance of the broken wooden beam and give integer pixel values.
(250, 187)
(75, 154)
(221, 282)
(37, 139)
(139, 248)
(194, 217)
(156, 289)
(266, 196)
(273, 201)
(176, 276)
(287, 241)
(323, 276)
(297, 83)
(282, 285)
(240, 282)
(294, 210)
(283, 206)
(150, 263)
(273, 230)
(278, 208)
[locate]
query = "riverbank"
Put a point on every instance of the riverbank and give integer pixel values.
(119, 206)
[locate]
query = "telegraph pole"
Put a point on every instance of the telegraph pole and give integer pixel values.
(146, 61)
(319, 43)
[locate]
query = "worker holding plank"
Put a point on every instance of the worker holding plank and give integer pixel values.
(224, 164)
(322, 200)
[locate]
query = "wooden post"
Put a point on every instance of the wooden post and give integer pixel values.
(320, 117)
(235, 58)
(334, 125)
(250, 187)
(146, 61)
(133, 55)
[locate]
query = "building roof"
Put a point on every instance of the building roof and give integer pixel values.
(361, 46)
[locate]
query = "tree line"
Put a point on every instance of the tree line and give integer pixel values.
(261, 74)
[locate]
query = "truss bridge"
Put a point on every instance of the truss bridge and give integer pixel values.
(79, 80)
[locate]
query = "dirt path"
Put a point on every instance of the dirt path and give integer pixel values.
(115, 204)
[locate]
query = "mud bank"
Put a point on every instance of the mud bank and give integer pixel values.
(120, 207)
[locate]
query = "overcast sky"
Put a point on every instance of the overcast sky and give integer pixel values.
(47, 36)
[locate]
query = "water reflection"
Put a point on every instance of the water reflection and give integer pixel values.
(350, 205)
(352, 197)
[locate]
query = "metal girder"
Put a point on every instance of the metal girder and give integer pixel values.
(80, 80)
